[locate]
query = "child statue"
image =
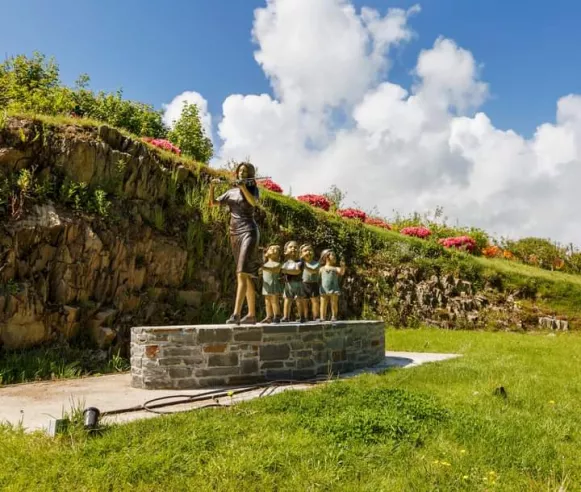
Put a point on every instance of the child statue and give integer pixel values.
(330, 289)
(310, 281)
(293, 285)
(271, 283)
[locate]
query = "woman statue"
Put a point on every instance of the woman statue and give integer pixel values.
(244, 237)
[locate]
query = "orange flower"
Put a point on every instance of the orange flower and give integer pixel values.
(491, 251)
(508, 255)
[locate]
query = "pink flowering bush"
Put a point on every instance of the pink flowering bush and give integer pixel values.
(459, 242)
(318, 201)
(162, 144)
(352, 213)
(416, 231)
(269, 184)
(374, 221)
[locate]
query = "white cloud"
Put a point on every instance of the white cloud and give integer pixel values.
(173, 110)
(336, 119)
(321, 53)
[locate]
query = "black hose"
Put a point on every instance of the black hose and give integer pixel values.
(150, 405)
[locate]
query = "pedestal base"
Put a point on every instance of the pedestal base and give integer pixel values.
(173, 357)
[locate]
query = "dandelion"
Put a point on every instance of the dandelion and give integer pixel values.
(230, 394)
(462, 451)
(552, 402)
(445, 463)
(465, 477)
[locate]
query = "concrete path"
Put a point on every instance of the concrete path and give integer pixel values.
(33, 405)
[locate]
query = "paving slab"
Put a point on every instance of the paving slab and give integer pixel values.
(33, 405)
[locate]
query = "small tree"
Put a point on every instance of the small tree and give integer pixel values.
(189, 135)
(336, 196)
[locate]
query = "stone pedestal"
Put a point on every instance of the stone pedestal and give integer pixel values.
(172, 357)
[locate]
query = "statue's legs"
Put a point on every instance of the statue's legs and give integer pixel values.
(240, 293)
(334, 306)
(315, 305)
(250, 292)
(323, 307)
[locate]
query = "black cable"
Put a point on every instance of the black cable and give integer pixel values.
(150, 405)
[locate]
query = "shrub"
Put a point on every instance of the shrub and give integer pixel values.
(269, 184)
(319, 201)
(352, 213)
(537, 251)
(374, 221)
(459, 242)
(416, 231)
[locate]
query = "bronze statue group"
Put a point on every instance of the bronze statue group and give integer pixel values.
(312, 285)
(299, 279)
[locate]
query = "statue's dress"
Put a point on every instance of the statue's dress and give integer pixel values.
(271, 281)
(244, 233)
(329, 281)
(311, 279)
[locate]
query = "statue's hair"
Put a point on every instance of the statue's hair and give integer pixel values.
(324, 255)
(305, 245)
(249, 166)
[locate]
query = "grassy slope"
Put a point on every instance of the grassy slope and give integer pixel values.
(434, 427)
(283, 217)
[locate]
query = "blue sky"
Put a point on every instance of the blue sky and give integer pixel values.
(529, 50)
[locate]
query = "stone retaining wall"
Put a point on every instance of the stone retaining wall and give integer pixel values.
(164, 357)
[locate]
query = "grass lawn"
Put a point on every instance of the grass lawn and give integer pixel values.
(435, 427)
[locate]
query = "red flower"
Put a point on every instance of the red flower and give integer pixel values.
(162, 144)
(374, 221)
(459, 242)
(421, 232)
(318, 201)
(269, 184)
(352, 213)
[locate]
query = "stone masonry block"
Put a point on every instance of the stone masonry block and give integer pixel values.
(305, 363)
(180, 372)
(216, 371)
(277, 364)
(223, 360)
(180, 351)
(248, 336)
(216, 348)
(249, 366)
(311, 328)
(279, 328)
(274, 352)
(335, 343)
(213, 381)
(214, 335)
(304, 373)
